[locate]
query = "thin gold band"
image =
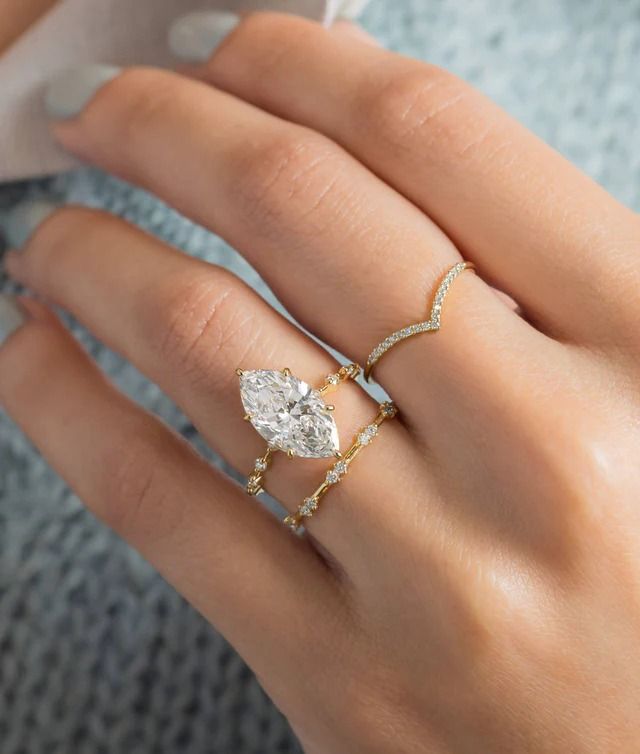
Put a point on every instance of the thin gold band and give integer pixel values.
(431, 325)
(255, 480)
(311, 504)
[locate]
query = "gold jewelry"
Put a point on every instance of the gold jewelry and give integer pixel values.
(430, 325)
(290, 415)
(311, 504)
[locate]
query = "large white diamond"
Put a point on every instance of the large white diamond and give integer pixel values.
(289, 414)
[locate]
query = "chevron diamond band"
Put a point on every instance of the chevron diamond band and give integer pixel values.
(431, 325)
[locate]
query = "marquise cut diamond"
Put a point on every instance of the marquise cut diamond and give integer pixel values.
(289, 414)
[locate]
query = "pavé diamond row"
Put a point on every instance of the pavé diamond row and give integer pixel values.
(430, 325)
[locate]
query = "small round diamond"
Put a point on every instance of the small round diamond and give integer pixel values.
(309, 506)
(388, 409)
(261, 465)
(338, 471)
(254, 484)
(367, 434)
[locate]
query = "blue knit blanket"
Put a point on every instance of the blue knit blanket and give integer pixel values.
(97, 653)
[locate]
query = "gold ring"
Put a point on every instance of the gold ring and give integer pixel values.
(290, 415)
(311, 504)
(431, 325)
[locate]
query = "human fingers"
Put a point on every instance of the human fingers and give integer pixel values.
(536, 226)
(322, 230)
(188, 325)
(228, 557)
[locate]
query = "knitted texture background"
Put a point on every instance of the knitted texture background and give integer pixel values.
(97, 654)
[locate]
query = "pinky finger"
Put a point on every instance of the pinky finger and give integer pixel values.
(230, 559)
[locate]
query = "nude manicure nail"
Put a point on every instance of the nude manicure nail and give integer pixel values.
(70, 91)
(194, 37)
(12, 316)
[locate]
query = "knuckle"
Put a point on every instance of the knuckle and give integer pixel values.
(202, 325)
(574, 495)
(419, 102)
(290, 178)
(592, 487)
(577, 484)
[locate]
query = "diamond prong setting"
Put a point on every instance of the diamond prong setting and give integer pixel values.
(290, 415)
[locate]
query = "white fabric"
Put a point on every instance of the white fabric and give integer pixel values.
(122, 32)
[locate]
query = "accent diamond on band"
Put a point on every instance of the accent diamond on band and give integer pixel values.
(311, 504)
(431, 325)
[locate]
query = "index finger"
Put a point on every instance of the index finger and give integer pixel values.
(536, 227)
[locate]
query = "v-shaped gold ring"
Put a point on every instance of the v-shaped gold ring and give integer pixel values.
(431, 325)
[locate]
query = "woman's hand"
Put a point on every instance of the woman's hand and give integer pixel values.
(473, 584)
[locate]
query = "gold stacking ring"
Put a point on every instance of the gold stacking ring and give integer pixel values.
(431, 325)
(311, 504)
(291, 416)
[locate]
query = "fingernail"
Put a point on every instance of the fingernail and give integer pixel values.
(12, 316)
(352, 9)
(22, 220)
(194, 37)
(70, 91)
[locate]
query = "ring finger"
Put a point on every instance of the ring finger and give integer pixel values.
(188, 325)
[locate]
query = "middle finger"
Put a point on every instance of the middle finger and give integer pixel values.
(351, 258)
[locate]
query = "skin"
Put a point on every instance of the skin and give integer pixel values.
(473, 585)
(18, 16)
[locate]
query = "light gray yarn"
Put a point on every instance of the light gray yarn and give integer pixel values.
(97, 654)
